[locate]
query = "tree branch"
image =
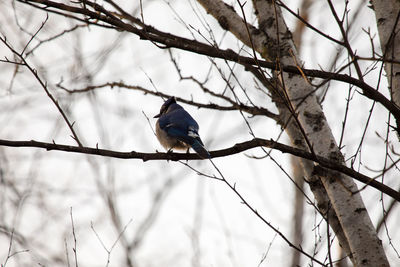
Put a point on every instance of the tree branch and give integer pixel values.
(237, 148)
(43, 84)
(147, 32)
(253, 110)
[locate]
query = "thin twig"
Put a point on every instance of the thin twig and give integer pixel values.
(109, 250)
(248, 205)
(74, 236)
(44, 86)
(169, 40)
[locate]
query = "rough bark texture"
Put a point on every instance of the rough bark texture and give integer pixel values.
(387, 15)
(274, 42)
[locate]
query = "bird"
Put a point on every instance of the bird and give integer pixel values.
(176, 129)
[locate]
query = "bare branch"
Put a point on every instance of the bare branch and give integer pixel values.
(44, 86)
(170, 40)
(237, 148)
(253, 110)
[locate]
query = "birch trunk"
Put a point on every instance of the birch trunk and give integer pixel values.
(387, 15)
(272, 40)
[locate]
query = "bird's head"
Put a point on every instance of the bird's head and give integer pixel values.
(165, 106)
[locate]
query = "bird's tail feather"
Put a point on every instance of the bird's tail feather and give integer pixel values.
(200, 150)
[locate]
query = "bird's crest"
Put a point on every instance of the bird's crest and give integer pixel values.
(167, 103)
(165, 106)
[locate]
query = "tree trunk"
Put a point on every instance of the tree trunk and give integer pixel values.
(272, 40)
(387, 15)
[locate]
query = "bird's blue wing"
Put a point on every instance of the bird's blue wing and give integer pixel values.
(179, 133)
(190, 137)
(180, 125)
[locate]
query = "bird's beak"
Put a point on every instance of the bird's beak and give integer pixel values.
(157, 116)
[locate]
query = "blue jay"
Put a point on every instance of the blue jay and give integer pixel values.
(175, 128)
